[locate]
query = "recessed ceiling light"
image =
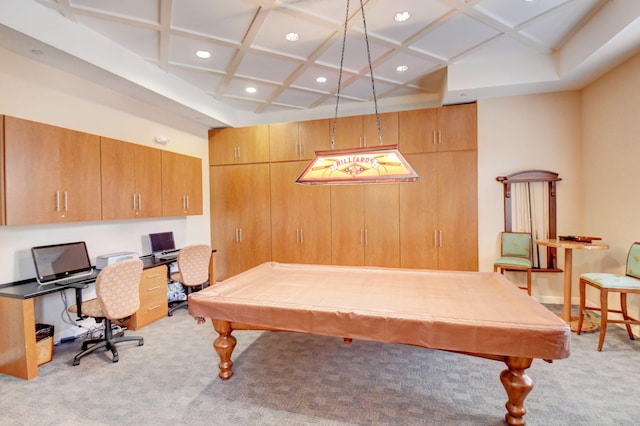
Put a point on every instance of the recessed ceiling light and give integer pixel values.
(251, 90)
(402, 16)
(402, 68)
(292, 36)
(203, 54)
(321, 80)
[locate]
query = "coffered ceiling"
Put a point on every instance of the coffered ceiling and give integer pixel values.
(452, 51)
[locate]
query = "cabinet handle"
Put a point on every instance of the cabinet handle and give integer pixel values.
(439, 137)
(238, 153)
(153, 307)
(134, 202)
(366, 237)
(153, 288)
(241, 235)
(301, 236)
(297, 235)
(441, 238)
(235, 152)
(188, 201)
(435, 238)
(236, 235)
(139, 201)
(66, 202)
(300, 149)
(435, 142)
(152, 276)
(57, 201)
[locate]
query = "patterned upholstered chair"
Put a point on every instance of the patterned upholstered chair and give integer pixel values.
(193, 271)
(612, 283)
(117, 298)
(515, 254)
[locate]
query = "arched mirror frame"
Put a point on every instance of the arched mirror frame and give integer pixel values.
(534, 176)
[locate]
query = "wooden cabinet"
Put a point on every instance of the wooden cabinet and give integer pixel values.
(52, 174)
(181, 184)
(450, 128)
(153, 298)
(439, 212)
(365, 225)
(299, 140)
(131, 180)
(362, 130)
(300, 217)
(239, 145)
(241, 218)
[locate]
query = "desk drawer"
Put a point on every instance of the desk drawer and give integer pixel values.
(153, 298)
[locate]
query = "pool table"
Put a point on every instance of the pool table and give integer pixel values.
(475, 313)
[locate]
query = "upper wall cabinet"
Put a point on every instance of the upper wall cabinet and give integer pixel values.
(450, 128)
(239, 145)
(181, 184)
(299, 140)
(52, 174)
(131, 180)
(362, 130)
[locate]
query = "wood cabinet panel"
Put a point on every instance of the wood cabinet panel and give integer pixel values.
(360, 131)
(450, 128)
(298, 140)
(239, 145)
(365, 225)
(181, 184)
(438, 213)
(131, 180)
(241, 218)
(300, 217)
(52, 174)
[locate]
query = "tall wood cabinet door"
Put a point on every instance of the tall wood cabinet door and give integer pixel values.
(148, 180)
(285, 213)
(347, 225)
(419, 229)
(458, 125)
(348, 133)
(117, 166)
(52, 174)
(314, 135)
(241, 218)
(388, 129)
(417, 130)
(458, 202)
(239, 145)
(286, 145)
(301, 217)
(382, 225)
(193, 185)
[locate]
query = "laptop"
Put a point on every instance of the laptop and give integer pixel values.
(63, 263)
(163, 245)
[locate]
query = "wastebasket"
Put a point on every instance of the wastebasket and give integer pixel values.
(44, 343)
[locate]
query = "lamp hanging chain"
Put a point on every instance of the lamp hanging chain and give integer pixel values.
(344, 41)
(373, 85)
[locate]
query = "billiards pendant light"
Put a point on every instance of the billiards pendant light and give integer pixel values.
(377, 164)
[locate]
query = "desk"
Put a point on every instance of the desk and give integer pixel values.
(18, 326)
(568, 247)
(474, 313)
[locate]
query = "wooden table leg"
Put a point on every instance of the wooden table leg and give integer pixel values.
(568, 264)
(518, 385)
(224, 345)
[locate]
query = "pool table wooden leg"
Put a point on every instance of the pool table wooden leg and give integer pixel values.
(518, 385)
(224, 345)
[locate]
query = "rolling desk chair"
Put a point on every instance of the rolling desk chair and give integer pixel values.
(117, 297)
(193, 271)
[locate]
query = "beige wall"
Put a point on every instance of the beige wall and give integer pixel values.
(36, 92)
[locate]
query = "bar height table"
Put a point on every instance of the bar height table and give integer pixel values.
(569, 246)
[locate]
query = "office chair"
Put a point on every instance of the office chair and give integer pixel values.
(117, 298)
(515, 254)
(193, 271)
(614, 283)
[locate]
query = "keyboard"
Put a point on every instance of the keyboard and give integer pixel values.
(166, 254)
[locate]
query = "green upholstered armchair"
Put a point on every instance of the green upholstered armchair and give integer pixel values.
(612, 283)
(515, 254)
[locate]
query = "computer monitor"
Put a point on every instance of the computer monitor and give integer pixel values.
(59, 261)
(161, 241)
